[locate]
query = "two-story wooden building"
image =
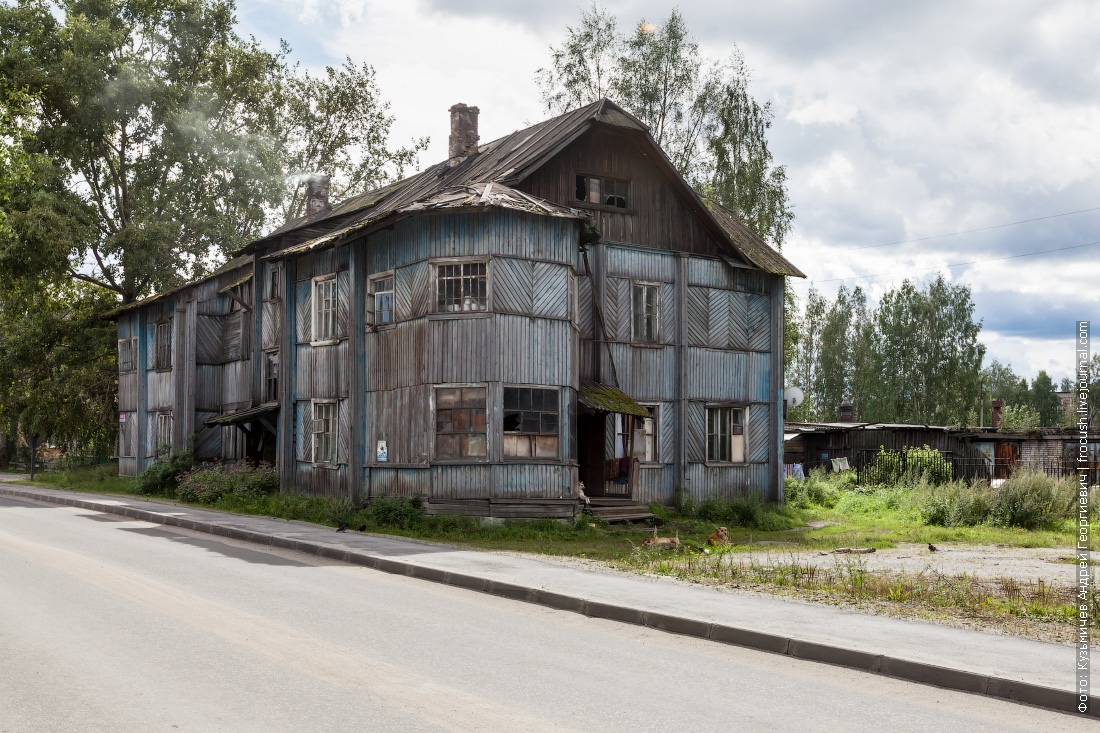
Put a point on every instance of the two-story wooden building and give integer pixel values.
(487, 334)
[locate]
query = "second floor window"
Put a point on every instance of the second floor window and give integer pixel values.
(382, 298)
(162, 358)
(271, 377)
(645, 312)
(462, 287)
(127, 356)
(324, 309)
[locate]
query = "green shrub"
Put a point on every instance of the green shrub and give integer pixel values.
(1031, 499)
(210, 482)
(928, 464)
(817, 489)
(162, 477)
(750, 511)
(396, 512)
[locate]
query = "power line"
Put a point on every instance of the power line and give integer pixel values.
(957, 264)
(969, 231)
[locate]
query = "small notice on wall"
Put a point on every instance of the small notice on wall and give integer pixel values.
(122, 417)
(381, 454)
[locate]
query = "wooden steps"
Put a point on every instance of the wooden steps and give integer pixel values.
(504, 508)
(612, 509)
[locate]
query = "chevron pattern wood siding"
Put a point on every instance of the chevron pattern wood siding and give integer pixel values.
(718, 335)
(759, 323)
(208, 444)
(696, 431)
(666, 433)
(343, 299)
(512, 285)
(303, 310)
(698, 316)
(269, 328)
(668, 319)
(550, 291)
(303, 430)
(738, 322)
(208, 339)
(759, 437)
(617, 309)
(420, 290)
(402, 292)
(585, 315)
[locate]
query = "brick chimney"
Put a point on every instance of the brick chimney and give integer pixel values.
(463, 141)
(997, 405)
(845, 411)
(317, 194)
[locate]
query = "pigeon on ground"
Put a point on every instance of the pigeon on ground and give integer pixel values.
(931, 547)
(361, 528)
(343, 527)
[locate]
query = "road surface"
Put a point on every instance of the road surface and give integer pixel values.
(108, 624)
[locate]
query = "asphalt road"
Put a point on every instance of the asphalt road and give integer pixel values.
(114, 625)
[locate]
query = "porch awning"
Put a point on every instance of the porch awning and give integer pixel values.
(601, 398)
(244, 416)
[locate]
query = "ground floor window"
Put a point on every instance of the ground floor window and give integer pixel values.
(531, 422)
(324, 432)
(460, 422)
(726, 434)
(162, 435)
(622, 437)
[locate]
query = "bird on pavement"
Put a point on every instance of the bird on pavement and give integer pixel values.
(343, 527)
(361, 528)
(931, 547)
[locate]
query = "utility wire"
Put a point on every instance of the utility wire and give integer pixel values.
(969, 231)
(957, 264)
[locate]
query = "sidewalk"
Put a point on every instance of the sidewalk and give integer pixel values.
(1001, 666)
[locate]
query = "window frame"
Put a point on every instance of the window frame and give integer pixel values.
(335, 432)
(532, 458)
(655, 418)
(162, 353)
(271, 357)
(131, 344)
(744, 431)
(274, 282)
(161, 448)
(372, 301)
(462, 262)
(317, 315)
(634, 337)
(436, 457)
(603, 178)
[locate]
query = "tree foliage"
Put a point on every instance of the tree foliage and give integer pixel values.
(698, 110)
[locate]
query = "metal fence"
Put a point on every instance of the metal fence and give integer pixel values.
(875, 467)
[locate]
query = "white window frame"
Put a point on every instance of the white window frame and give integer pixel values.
(162, 354)
(372, 309)
(506, 433)
(731, 436)
(462, 263)
(326, 451)
(652, 425)
(323, 316)
(634, 314)
(162, 444)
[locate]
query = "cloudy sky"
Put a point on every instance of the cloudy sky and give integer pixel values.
(897, 121)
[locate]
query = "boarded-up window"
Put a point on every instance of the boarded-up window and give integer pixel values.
(460, 421)
(162, 358)
(324, 309)
(645, 310)
(127, 356)
(462, 287)
(726, 434)
(531, 422)
(324, 432)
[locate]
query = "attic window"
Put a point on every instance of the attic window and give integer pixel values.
(602, 191)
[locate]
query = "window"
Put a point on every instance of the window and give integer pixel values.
(273, 290)
(645, 312)
(163, 352)
(381, 298)
(271, 377)
(462, 287)
(127, 356)
(324, 432)
(162, 435)
(726, 434)
(324, 309)
(602, 191)
(622, 439)
(530, 422)
(460, 422)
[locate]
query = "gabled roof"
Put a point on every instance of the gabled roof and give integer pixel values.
(229, 266)
(506, 162)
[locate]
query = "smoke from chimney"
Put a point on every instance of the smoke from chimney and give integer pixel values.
(463, 140)
(317, 194)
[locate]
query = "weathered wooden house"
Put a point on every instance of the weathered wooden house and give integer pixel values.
(554, 307)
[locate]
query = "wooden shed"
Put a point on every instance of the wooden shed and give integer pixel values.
(554, 307)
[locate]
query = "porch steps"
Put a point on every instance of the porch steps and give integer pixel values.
(504, 508)
(618, 510)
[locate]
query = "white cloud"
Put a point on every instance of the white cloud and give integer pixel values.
(828, 111)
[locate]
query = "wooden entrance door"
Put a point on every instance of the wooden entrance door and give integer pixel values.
(1005, 457)
(591, 436)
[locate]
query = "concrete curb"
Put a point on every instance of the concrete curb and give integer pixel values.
(912, 671)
